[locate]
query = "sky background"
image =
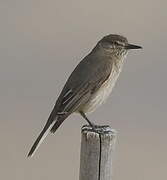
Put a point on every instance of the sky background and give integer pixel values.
(40, 44)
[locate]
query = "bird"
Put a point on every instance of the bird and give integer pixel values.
(89, 85)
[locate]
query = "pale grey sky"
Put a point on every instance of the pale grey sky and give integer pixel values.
(40, 44)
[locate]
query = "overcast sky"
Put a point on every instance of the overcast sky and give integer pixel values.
(40, 44)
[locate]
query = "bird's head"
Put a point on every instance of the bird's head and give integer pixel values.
(117, 45)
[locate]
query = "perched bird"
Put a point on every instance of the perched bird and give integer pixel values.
(90, 83)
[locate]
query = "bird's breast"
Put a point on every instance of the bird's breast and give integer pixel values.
(100, 96)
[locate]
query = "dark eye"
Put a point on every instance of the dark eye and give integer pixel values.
(116, 43)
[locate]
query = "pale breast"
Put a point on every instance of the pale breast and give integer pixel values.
(102, 94)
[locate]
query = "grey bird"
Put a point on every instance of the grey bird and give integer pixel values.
(90, 83)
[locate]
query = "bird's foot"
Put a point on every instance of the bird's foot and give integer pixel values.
(96, 128)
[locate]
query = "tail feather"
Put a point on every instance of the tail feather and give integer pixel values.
(56, 125)
(40, 138)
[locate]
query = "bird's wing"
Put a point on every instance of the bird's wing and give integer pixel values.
(87, 78)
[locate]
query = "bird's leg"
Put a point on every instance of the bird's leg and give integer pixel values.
(84, 116)
(95, 128)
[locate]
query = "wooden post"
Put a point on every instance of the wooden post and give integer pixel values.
(96, 153)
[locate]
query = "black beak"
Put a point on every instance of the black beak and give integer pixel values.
(131, 46)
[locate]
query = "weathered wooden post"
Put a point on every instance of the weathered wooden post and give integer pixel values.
(96, 153)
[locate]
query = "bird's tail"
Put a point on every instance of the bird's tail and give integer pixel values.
(40, 138)
(56, 125)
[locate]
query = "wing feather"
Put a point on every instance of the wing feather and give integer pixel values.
(87, 78)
